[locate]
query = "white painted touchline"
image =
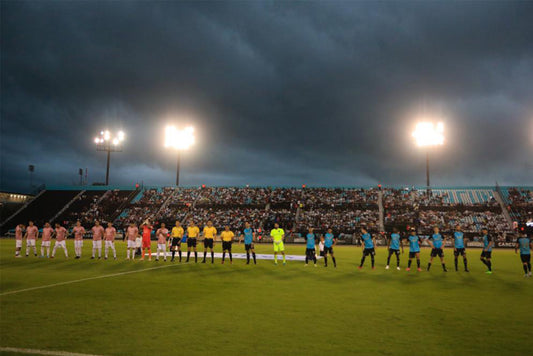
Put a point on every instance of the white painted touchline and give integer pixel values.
(42, 352)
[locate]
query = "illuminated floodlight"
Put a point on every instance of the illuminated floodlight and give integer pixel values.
(179, 139)
(429, 134)
(121, 135)
(109, 142)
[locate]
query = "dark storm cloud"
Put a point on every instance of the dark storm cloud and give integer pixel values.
(324, 93)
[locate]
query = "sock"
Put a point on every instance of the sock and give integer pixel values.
(525, 268)
(306, 258)
(48, 251)
(253, 255)
(223, 256)
(247, 257)
(409, 264)
(325, 260)
(443, 266)
(157, 254)
(179, 253)
(418, 263)
(484, 262)
(128, 253)
(149, 253)
(529, 266)
(188, 254)
(173, 253)
(466, 263)
(397, 260)
(489, 265)
(362, 261)
(334, 262)
(388, 259)
(195, 257)
(314, 259)
(275, 258)
(372, 259)
(42, 252)
(283, 258)
(455, 261)
(429, 265)
(205, 254)
(212, 257)
(230, 257)
(99, 252)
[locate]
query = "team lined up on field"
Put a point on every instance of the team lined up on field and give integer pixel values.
(173, 239)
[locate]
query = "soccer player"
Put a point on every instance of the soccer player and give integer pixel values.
(249, 236)
(414, 250)
(437, 244)
(486, 254)
(310, 251)
(32, 234)
(46, 240)
(61, 236)
(278, 235)
(78, 232)
(131, 233)
(459, 247)
(395, 242)
(329, 242)
(209, 237)
(177, 235)
(368, 247)
(227, 240)
(525, 245)
(98, 234)
(110, 234)
(147, 240)
(162, 234)
(18, 239)
(192, 235)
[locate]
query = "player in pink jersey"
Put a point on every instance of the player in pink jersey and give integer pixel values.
(98, 234)
(32, 234)
(48, 233)
(161, 234)
(132, 232)
(110, 233)
(78, 232)
(19, 232)
(61, 237)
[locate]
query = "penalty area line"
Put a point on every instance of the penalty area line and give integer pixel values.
(86, 279)
(42, 352)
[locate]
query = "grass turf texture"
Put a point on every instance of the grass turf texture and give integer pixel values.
(265, 309)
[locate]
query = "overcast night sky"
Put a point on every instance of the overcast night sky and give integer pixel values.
(323, 93)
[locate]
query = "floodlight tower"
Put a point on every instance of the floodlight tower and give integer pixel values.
(109, 143)
(428, 134)
(180, 140)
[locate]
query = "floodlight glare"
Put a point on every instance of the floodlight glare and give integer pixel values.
(179, 140)
(429, 134)
(109, 143)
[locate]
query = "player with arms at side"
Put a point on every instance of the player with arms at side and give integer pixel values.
(175, 241)
(98, 234)
(147, 240)
(329, 242)
(61, 236)
(368, 247)
(48, 233)
(459, 248)
(193, 232)
(278, 235)
(227, 240)
(525, 245)
(78, 232)
(162, 234)
(31, 236)
(395, 242)
(486, 254)
(131, 234)
(209, 233)
(414, 250)
(110, 234)
(249, 237)
(310, 250)
(437, 248)
(18, 239)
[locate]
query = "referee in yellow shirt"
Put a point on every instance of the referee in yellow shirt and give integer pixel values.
(209, 236)
(192, 235)
(176, 235)
(227, 239)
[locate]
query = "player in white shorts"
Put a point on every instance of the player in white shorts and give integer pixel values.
(78, 232)
(32, 234)
(98, 233)
(48, 233)
(161, 234)
(18, 239)
(61, 237)
(110, 233)
(132, 232)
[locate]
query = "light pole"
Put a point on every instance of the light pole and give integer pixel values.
(179, 139)
(428, 134)
(108, 143)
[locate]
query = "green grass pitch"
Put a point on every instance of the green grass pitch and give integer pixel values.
(198, 309)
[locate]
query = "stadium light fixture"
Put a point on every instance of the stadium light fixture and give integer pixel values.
(180, 140)
(428, 134)
(109, 143)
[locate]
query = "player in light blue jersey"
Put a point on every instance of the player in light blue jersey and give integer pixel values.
(249, 236)
(368, 247)
(459, 247)
(310, 251)
(395, 242)
(486, 254)
(329, 241)
(414, 250)
(524, 244)
(437, 248)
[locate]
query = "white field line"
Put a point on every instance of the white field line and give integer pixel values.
(42, 352)
(86, 279)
